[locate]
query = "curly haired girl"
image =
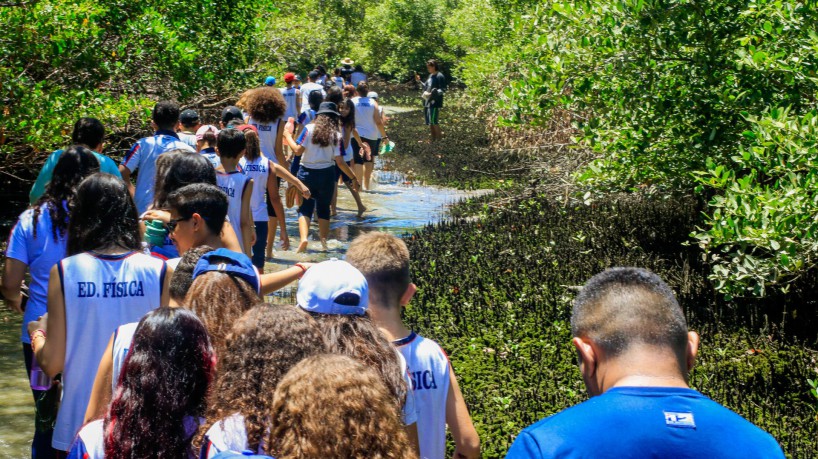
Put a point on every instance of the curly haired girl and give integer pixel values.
(263, 345)
(333, 406)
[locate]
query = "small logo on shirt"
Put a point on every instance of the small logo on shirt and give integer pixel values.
(676, 419)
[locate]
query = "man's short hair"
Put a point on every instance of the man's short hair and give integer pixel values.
(166, 114)
(623, 306)
(88, 132)
(384, 260)
(208, 201)
(183, 274)
(231, 143)
(432, 63)
(363, 89)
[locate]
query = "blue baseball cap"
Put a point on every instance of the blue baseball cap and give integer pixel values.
(270, 81)
(333, 287)
(229, 262)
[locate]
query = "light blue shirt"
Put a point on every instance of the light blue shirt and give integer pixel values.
(106, 165)
(143, 157)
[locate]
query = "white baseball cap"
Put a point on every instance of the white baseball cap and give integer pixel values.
(333, 287)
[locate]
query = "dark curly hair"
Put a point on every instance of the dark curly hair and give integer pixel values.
(262, 347)
(326, 130)
(164, 380)
(74, 165)
(360, 339)
(333, 406)
(104, 216)
(176, 169)
(219, 299)
(183, 274)
(264, 104)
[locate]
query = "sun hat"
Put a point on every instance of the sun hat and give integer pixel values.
(289, 77)
(230, 113)
(270, 81)
(200, 133)
(229, 262)
(188, 117)
(327, 108)
(333, 287)
(347, 61)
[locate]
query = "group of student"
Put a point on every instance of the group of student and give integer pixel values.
(182, 357)
(145, 314)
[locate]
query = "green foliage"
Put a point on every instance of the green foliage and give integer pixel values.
(662, 90)
(401, 35)
(62, 60)
(762, 229)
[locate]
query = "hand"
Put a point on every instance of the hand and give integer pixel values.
(305, 192)
(40, 324)
(417, 77)
(253, 238)
(156, 214)
(356, 185)
(289, 127)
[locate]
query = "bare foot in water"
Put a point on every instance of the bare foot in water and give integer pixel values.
(361, 211)
(302, 247)
(324, 245)
(285, 245)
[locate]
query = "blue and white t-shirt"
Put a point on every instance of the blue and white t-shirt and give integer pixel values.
(259, 170)
(429, 372)
(143, 156)
(101, 293)
(229, 434)
(40, 253)
(314, 155)
(306, 117)
(645, 422)
(234, 184)
(90, 442)
(123, 337)
(212, 156)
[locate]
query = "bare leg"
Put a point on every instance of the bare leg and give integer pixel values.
(368, 168)
(271, 236)
(357, 197)
(323, 231)
(334, 206)
(359, 172)
(304, 232)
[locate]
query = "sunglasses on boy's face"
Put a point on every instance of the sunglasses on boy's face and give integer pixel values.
(171, 224)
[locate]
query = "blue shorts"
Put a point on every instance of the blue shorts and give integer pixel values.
(321, 183)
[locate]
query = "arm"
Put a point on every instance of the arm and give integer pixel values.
(297, 149)
(280, 171)
(165, 299)
(298, 100)
(414, 440)
(279, 148)
(276, 281)
(379, 122)
(50, 352)
(101, 391)
(339, 161)
(229, 238)
(466, 440)
(126, 177)
(13, 276)
(247, 230)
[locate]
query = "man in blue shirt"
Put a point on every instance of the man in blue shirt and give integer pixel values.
(88, 133)
(635, 353)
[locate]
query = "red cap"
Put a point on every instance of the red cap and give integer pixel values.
(289, 77)
(245, 127)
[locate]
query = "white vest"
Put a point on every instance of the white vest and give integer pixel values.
(123, 337)
(101, 293)
(267, 133)
(429, 374)
(292, 103)
(233, 184)
(258, 170)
